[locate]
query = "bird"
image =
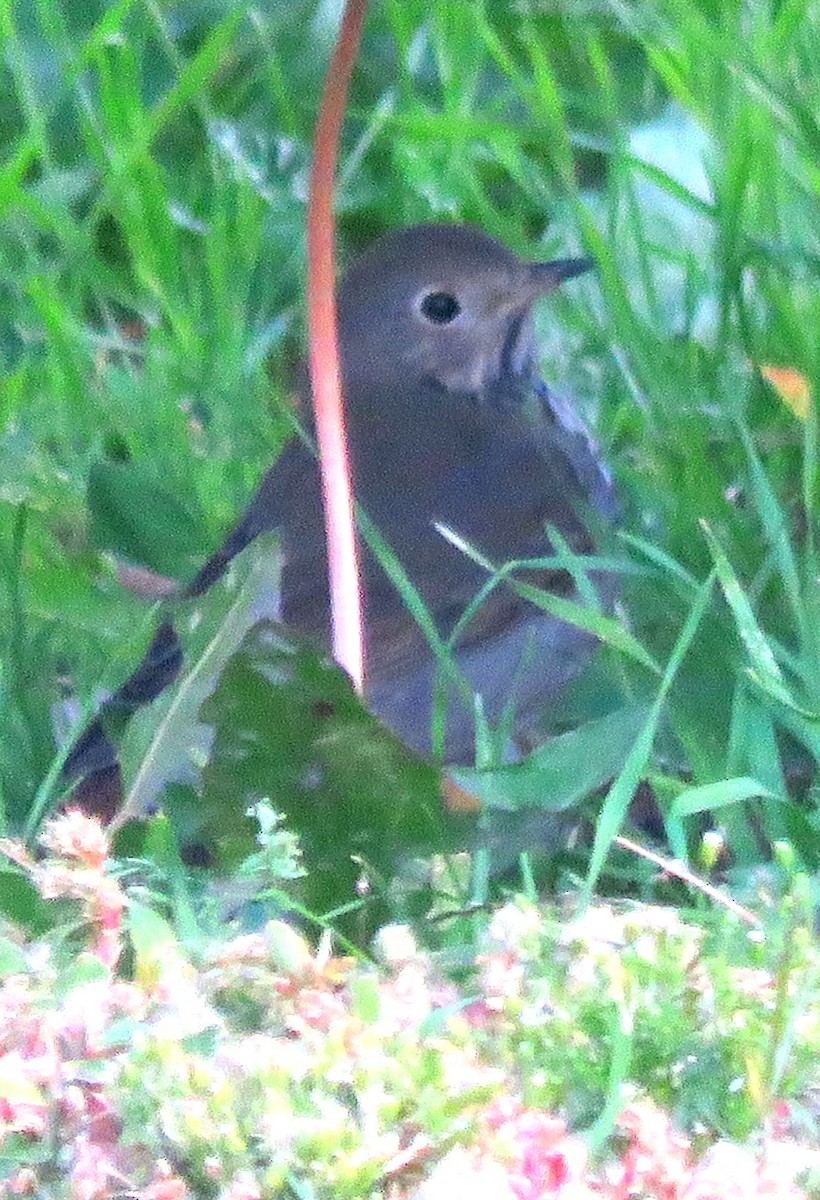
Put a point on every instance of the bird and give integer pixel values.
(453, 439)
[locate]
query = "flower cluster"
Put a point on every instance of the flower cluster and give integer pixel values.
(262, 1067)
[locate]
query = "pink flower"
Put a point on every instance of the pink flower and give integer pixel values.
(94, 1170)
(502, 978)
(166, 1185)
(543, 1161)
(75, 835)
(23, 1106)
(656, 1160)
(318, 1009)
(24, 1182)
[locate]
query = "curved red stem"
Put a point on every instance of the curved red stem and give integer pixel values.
(325, 375)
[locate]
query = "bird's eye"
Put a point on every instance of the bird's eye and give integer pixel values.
(440, 308)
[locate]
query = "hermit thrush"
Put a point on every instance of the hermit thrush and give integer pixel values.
(452, 438)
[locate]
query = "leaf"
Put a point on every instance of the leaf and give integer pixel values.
(710, 796)
(135, 516)
(764, 669)
(567, 769)
(153, 939)
(527, 805)
(750, 632)
(801, 833)
(606, 629)
(166, 740)
(12, 959)
(82, 969)
(22, 904)
(792, 388)
(288, 725)
(618, 797)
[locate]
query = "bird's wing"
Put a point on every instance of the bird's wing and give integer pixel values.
(93, 754)
(270, 506)
(514, 470)
(560, 426)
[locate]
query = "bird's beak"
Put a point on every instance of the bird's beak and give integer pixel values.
(545, 277)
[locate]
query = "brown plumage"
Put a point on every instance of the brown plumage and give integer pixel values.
(448, 426)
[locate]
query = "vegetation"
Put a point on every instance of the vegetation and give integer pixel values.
(153, 180)
(252, 1066)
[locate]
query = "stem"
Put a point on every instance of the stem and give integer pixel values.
(325, 375)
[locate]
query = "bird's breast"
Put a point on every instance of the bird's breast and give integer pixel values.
(487, 490)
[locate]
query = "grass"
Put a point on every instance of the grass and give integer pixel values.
(151, 274)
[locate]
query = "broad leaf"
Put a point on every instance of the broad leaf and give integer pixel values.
(289, 726)
(134, 516)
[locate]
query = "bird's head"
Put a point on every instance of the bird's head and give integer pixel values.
(443, 302)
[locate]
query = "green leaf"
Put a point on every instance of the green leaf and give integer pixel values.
(288, 725)
(84, 968)
(22, 904)
(166, 740)
(12, 959)
(161, 847)
(710, 796)
(622, 790)
(606, 629)
(152, 937)
(567, 769)
(135, 516)
(764, 671)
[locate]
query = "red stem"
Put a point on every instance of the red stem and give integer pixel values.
(325, 376)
